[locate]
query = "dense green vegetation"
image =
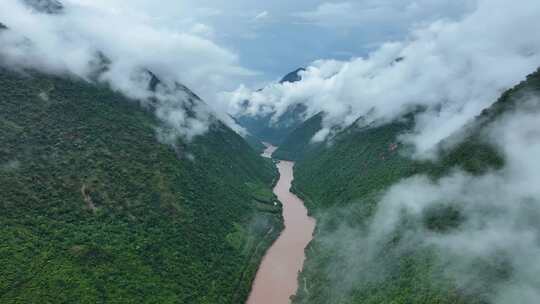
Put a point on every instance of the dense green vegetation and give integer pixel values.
(93, 209)
(255, 143)
(352, 172)
(298, 142)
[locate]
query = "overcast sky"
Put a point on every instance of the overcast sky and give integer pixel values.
(241, 41)
(272, 38)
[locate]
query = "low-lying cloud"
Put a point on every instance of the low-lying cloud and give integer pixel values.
(452, 69)
(98, 42)
(490, 247)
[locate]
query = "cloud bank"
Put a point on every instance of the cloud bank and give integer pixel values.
(452, 69)
(96, 39)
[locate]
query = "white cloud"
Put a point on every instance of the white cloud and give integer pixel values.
(202, 30)
(500, 211)
(133, 39)
(261, 16)
(453, 68)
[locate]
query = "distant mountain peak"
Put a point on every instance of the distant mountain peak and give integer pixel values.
(272, 129)
(45, 6)
(293, 76)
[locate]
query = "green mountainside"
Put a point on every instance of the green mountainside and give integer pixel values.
(255, 143)
(95, 210)
(298, 142)
(352, 172)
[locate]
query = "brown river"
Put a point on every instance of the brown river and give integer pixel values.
(277, 277)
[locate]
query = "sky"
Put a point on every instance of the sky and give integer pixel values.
(455, 57)
(272, 38)
(284, 36)
(238, 41)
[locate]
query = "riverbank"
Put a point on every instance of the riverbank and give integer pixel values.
(277, 278)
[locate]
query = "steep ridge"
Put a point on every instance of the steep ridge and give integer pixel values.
(342, 182)
(95, 209)
(298, 142)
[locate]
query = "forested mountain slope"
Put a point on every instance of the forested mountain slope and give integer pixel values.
(298, 142)
(94, 209)
(342, 184)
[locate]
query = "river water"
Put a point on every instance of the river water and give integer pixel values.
(277, 277)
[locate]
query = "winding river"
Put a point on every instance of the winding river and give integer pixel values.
(277, 277)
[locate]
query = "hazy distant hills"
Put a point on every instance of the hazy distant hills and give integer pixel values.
(264, 129)
(291, 132)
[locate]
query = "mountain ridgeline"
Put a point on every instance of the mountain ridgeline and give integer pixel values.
(299, 141)
(94, 209)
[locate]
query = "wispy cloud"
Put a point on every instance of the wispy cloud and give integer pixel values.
(261, 16)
